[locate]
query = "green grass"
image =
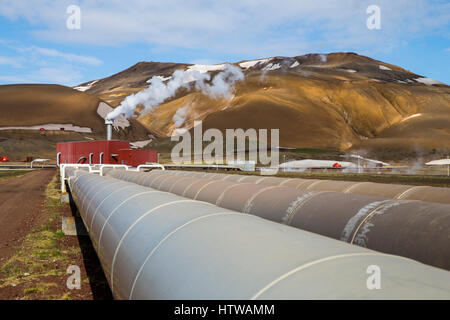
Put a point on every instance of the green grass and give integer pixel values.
(41, 253)
(427, 180)
(165, 146)
(311, 151)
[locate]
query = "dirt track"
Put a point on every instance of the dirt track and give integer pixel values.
(21, 199)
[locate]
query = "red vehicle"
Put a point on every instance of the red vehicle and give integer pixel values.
(4, 159)
(337, 165)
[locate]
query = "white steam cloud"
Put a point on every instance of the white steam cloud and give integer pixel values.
(180, 116)
(158, 91)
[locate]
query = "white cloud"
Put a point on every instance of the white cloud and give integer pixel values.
(64, 75)
(43, 65)
(37, 54)
(223, 28)
(246, 27)
(69, 57)
(9, 61)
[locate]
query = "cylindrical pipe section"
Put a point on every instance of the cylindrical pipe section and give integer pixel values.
(109, 125)
(343, 216)
(157, 245)
(394, 191)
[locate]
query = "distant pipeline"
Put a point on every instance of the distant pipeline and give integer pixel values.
(404, 226)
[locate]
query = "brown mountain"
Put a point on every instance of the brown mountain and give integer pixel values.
(35, 117)
(334, 101)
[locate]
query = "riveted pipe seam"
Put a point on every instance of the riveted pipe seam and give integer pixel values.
(203, 187)
(307, 265)
(404, 193)
(370, 214)
(250, 200)
(133, 225)
(99, 191)
(118, 207)
(313, 184)
(352, 223)
(170, 234)
(105, 199)
(98, 187)
(220, 198)
(299, 204)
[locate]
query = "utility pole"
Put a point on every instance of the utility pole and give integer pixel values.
(359, 165)
(448, 168)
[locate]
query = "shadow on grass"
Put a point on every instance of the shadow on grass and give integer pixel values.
(97, 280)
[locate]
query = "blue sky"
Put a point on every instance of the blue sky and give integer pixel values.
(37, 47)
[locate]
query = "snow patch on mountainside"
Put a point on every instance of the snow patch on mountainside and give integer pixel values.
(384, 68)
(427, 81)
(162, 78)
(86, 87)
(295, 64)
(271, 67)
(252, 63)
(203, 68)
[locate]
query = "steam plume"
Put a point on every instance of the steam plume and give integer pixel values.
(158, 91)
(180, 116)
(323, 57)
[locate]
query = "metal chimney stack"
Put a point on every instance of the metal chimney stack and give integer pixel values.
(109, 124)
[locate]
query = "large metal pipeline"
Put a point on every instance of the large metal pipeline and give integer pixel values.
(414, 229)
(157, 245)
(392, 191)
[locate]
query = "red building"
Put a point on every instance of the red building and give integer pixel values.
(103, 152)
(136, 157)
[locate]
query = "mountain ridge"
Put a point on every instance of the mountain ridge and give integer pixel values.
(339, 100)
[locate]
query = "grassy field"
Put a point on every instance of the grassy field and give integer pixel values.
(165, 147)
(33, 265)
(37, 270)
(419, 180)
